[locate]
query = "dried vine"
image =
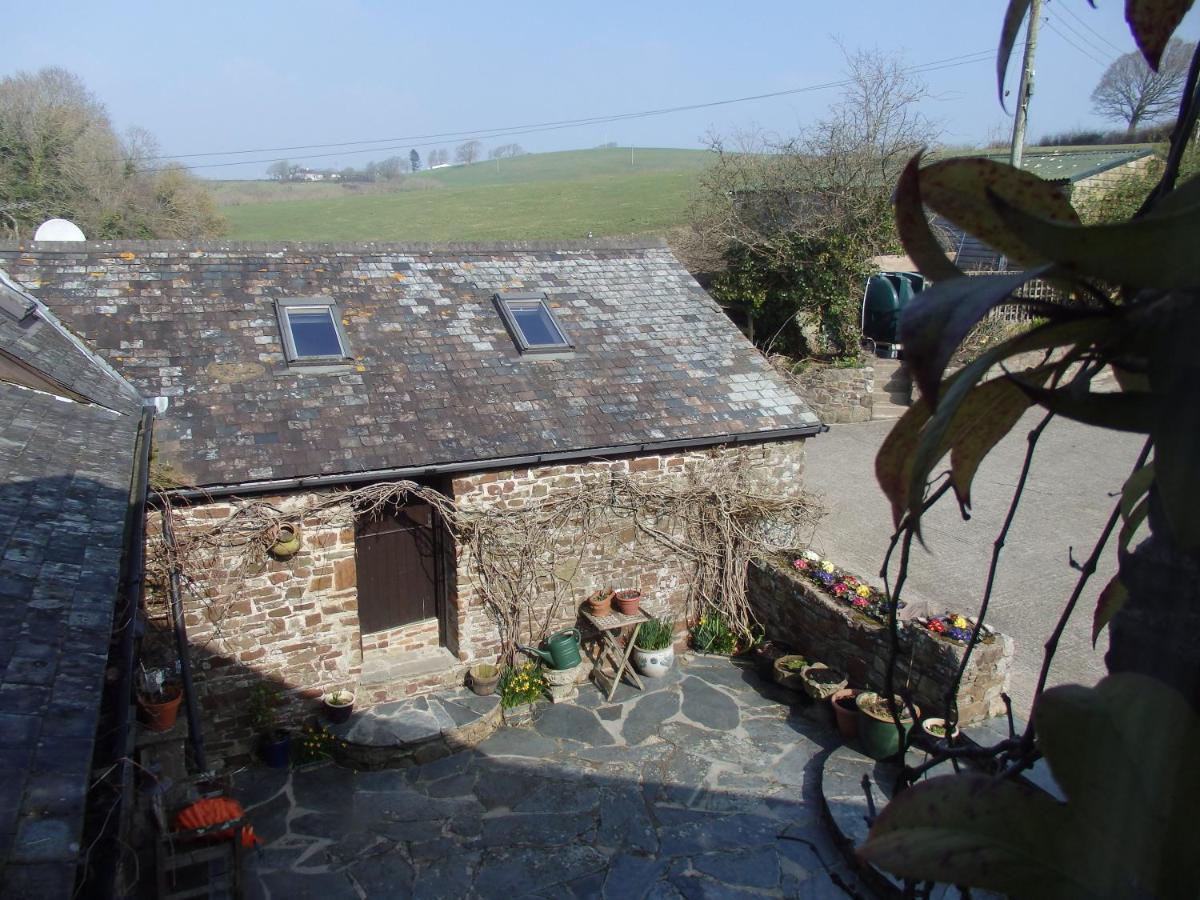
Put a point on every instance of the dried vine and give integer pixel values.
(715, 516)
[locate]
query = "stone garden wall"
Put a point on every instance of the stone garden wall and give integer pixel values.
(836, 395)
(795, 612)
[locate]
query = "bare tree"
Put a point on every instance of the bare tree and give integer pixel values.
(439, 156)
(59, 156)
(506, 151)
(280, 170)
(1131, 92)
(468, 152)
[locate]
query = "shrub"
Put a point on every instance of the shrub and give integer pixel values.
(712, 634)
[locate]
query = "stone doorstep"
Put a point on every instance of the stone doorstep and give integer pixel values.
(382, 668)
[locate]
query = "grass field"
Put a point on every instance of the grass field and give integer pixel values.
(540, 196)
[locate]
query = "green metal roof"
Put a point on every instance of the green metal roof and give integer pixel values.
(1069, 163)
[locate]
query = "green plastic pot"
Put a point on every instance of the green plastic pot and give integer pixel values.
(878, 736)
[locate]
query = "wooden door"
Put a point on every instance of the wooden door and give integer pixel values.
(397, 555)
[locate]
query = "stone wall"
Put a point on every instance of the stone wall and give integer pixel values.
(613, 552)
(793, 611)
(294, 623)
(836, 395)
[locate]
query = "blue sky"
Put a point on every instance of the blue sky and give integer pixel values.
(226, 76)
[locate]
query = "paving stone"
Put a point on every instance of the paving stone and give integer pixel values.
(448, 877)
(624, 820)
(632, 877)
(496, 787)
(454, 786)
(328, 788)
(717, 833)
(542, 829)
(573, 723)
(518, 742)
(705, 705)
(587, 887)
(610, 713)
(384, 876)
(647, 716)
(515, 871)
(269, 818)
(257, 785)
(560, 796)
(743, 868)
(454, 764)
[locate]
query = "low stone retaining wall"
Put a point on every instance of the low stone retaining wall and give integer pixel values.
(794, 612)
(837, 395)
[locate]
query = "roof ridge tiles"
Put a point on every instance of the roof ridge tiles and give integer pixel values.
(356, 247)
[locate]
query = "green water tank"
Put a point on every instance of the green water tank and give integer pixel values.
(884, 300)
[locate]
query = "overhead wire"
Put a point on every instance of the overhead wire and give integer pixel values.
(1078, 18)
(1088, 42)
(415, 141)
(1062, 34)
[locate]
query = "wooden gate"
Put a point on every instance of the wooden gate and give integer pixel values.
(398, 557)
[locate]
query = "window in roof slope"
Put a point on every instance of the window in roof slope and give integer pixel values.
(531, 322)
(312, 330)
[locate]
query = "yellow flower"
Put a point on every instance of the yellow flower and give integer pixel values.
(827, 566)
(960, 622)
(863, 591)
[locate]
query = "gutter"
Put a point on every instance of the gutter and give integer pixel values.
(133, 577)
(504, 462)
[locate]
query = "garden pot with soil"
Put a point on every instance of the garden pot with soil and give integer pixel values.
(933, 729)
(876, 730)
(786, 672)
(821, 682)
(627, 602)
(160, 709)
(276, 748)
(484, 678)
(765, 654)
(338, 706)
(599, 604)
(845, 711)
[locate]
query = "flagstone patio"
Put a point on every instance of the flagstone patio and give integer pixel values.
(705, 785)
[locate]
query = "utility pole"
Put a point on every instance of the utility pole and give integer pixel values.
(1025, 89)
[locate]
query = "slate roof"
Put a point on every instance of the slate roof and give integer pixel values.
(435, 378)
(65, 469)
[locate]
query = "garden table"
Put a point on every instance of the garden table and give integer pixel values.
(608, 627)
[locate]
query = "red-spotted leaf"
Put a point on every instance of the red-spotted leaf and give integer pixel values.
(893, 462)
(1152, 23)
(960, 189)
(1154, 251)
(1013, 17)
(919, 241)
(1112, 598)
(935, 322)
(974, 830)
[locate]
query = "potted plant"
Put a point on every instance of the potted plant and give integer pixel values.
(765, 653)
(483, 678)
(338, 706)
(627, 602)
(274, 742)
(160, 704)
(877, 730)
(521, 687)
(712, 634)
(786, 671)
(845, 711)
(599, 603)
(933, 730)
(820, 682)
(652, 651)
(284, 540)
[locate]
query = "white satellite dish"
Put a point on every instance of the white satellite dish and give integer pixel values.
(58, 230)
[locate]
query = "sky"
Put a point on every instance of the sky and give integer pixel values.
(221, 76)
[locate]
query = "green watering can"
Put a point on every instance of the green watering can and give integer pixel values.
(564, 650)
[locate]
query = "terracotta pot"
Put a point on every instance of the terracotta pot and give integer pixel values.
(599, 604)
(845, 711)
(627, 602)
(160, 715)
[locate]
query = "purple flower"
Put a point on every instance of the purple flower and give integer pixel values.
(826, 578)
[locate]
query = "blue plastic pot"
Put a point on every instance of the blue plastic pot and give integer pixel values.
(276, 749)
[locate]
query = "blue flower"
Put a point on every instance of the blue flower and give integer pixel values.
(826, 578)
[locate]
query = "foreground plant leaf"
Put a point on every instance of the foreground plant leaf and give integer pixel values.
(1120, 411)
(1154, 251)
(1175, 377)
(920, 243)
(1152, 23)
(1013, 17)
(960, 189)
(1112, 598)
(1121, 752)
(935, 322)
(893, 462)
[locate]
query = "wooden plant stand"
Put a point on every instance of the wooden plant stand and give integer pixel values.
(608, 627)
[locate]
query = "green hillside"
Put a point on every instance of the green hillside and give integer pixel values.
(539, 196)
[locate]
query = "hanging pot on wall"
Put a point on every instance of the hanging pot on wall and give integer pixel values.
(285, 540)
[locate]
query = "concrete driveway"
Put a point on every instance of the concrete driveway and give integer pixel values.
(1066, 502)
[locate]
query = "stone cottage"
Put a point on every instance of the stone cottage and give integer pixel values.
(497, 376)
